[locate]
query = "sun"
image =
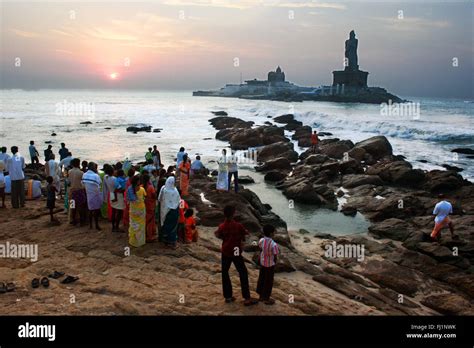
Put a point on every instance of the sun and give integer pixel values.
(113, 76)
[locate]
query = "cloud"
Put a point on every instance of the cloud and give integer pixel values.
(25, 34)
(411, 23)
(246, 4)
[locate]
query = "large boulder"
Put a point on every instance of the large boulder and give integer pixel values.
(377, 146)
(280, 163)
(442, 181)
(222, 122)
(354, 180)
(274, 176)
(284, 118)
(393, 228)
(336, 149)
(254, 137)
(279, 149)
(308, 193)
(316, 159)
(397, 172)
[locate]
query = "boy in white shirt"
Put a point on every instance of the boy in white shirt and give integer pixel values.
(442, 211)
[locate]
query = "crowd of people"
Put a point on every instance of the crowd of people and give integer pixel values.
(146, 201)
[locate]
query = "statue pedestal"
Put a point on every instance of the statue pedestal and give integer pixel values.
(350, 78)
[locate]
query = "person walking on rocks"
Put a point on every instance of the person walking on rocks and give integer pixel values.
(233, 234)
(442, 211)
(33, 153)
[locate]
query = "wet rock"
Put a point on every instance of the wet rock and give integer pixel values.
(254, 137)
(245, 179)
(304, 142)
(137, 128)
(398, 172)
(443, 181)
(219, 113)
(351, 166)
(222, 122)
(354, 180)
(316, 159)
(349, 210)
(284, 118)
(336, 149)
(86, 122)
(274, 176)
(377, 146)
(279, 149)
(463, 150)
(453, 168)
(280, 163)
(392, 228)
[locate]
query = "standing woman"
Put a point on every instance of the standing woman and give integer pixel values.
(184, 171)
(91, 181)
(126, 218)
(150, 205)
(136, 197)
(169, 212)
(222, 172)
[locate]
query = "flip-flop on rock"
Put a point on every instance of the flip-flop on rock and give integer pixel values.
(35, 283)
(69, 279)
(3, 288)
(56, 275)
(10, 287)
(45, 282)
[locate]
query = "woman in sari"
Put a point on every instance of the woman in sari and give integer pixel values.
(126, 218)
(169, 212)
(136, 197)
(150, 204)
(222, 172)
(184, 171)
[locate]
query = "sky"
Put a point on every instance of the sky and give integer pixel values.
(412, 48)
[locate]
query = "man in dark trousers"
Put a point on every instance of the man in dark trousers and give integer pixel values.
(16, 167)
(233, 234)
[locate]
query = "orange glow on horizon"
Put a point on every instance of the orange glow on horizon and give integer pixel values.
(113, 76)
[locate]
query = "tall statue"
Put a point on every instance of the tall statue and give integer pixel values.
(351, 52)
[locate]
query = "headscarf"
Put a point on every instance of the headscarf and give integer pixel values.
(169, 197)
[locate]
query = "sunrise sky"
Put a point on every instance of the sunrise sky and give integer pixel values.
(174, 44)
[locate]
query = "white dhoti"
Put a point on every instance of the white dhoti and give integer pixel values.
(222, 183)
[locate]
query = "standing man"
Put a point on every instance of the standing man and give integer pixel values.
(47, 153)
(156, 157)
(16, 165)
(33, 153)
(233, 234)
(314, 141)
(63, 151)
(442, 211)
(233, 168)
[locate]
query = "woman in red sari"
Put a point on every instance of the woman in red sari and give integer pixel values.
(126, 217)
(184, 169)
(150, 205)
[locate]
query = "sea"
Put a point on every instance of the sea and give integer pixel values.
(424, 134)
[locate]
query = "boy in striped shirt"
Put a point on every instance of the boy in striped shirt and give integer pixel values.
(268, 257)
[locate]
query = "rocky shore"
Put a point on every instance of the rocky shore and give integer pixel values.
(399, 274)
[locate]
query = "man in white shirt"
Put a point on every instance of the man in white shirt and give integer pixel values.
(233, 171)
(65, 162)
(442, 211)
(16, 165)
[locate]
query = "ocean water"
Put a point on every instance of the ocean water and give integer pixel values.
(427, 136)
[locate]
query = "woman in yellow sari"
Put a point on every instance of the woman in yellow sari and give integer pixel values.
(136, 197)
(184, 169)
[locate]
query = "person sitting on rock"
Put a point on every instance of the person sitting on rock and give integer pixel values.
(442, 211)
(233, 234)
(197, 167)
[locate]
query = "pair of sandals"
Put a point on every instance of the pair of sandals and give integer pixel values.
(8, 287)
(35, 283)
(67, 280)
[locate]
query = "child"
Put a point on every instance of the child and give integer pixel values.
(233, 234)
(267, 260)
(119, 185)
(183, 206)
(51, 197)
(190, 231)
